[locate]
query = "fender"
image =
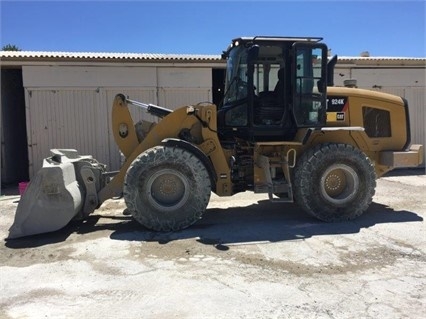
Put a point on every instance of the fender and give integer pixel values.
(175, 142)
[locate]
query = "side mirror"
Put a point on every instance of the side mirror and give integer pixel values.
(330, 70)
(321, 86)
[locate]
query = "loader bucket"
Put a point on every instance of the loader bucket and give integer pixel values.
(55, 195)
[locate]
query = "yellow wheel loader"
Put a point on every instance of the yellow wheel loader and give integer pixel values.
(282, 129)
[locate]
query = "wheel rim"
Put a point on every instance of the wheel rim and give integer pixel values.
(339, 184)
(168, 189)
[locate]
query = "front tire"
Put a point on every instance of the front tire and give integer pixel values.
(167, 188)
(334, 182)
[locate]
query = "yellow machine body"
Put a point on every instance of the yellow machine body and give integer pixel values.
(329, 168)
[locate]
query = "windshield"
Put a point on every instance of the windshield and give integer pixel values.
(236, 75)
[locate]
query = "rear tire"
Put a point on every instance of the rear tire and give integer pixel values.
(334, 182)
(167, 188)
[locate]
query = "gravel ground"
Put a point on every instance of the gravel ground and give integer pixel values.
(247, 258)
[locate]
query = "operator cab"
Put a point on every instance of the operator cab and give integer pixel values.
(273, 86)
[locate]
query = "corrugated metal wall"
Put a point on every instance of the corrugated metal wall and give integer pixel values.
(59, 116)
(64, 119)
(416, 101)
(176, 97)
(69, 106)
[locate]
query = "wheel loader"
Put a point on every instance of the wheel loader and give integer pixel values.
(282, 129)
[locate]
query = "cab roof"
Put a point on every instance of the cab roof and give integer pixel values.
(261, 38)
(268, 40)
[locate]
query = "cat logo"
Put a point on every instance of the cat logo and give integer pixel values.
(340, 116)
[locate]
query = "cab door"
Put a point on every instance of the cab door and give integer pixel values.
(309, 84)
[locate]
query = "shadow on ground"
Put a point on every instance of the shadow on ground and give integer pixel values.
(406, 172)
(266, 222)
(261, 222)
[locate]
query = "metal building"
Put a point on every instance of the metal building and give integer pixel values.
(63, 100)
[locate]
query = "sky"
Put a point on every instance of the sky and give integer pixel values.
(383, 28)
